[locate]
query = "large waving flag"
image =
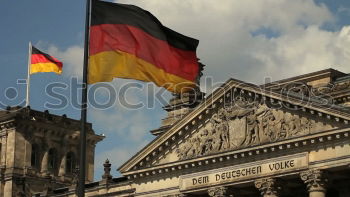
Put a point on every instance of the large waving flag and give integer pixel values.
(129, 42)
(42, 62)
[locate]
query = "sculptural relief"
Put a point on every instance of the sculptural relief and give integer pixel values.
(244, 124)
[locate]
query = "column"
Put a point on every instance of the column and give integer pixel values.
(90, 156)
(269, 187)
(62, 169)
(8, 188)
(44, 163)
(316, 182)
(3, 150)
(218, 192)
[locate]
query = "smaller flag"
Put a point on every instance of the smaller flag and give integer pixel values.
(42, 62)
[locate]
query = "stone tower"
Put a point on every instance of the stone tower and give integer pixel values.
(40, 151)
(181, 104)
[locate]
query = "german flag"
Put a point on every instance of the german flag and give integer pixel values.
(129, 42)
(42, 62)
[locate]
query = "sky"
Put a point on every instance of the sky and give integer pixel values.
(248, 40)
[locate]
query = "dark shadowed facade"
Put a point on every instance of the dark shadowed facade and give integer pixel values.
(287, 138)
(39, 151)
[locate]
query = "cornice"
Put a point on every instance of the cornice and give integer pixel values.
(5, 125)
(35, 123)
(177, 125)
(310, 76)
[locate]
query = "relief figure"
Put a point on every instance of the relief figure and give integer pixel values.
(243, 124)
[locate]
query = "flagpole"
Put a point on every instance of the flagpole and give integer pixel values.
(28, 75)
(82, 163)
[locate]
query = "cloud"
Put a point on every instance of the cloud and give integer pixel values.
(344, 10)
(232, 43)
(308, 50)
(72, 57)
(132, 125)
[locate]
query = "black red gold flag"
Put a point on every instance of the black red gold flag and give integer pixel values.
(129, 42)
(43, 62)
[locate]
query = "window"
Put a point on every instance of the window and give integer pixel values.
(52, 161)
(35, 156)
(70, 163)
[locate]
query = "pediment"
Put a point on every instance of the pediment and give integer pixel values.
(243, 124)
(236, 116)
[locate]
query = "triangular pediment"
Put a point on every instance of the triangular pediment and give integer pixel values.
(245, 125)
(237, 116)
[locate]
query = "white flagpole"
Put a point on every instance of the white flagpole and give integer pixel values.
(28, 76)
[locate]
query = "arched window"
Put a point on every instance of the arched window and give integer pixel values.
(70, 163)
(34, 159)
(52, 161)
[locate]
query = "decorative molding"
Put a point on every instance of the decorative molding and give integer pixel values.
(243, 124)
(315, 179)
(269, 186)
(107, 170)
(217, 191)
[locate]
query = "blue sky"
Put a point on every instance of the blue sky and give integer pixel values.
(237, 39)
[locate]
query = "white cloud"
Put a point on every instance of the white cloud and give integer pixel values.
(131, 125)
(311, 49)
(344, 10)
(72, 59)
(229, 49)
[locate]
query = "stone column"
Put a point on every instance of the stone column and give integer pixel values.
(269, 187)
(63, 166)
(316, 182)
(8, 188)
(3, 150)
(44, 163)
(218, 192)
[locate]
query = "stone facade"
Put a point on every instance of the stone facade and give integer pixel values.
(39, 151)
(282, 139)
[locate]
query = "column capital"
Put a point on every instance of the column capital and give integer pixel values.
(217, 191)
(315, 179)
(269, 186)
